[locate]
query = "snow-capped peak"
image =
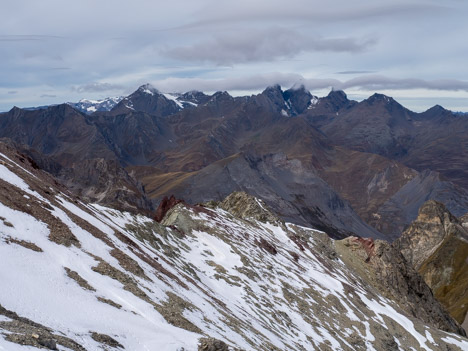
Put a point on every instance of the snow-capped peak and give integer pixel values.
(89, 106)
(148, 89)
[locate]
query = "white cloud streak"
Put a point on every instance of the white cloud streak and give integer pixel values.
(286, 80)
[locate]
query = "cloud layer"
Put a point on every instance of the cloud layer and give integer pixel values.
(54, 51)
(258, 82)
(269, 44)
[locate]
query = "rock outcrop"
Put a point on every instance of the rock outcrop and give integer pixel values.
(243, 205)
(432, 226)
(436, 244)
(385, 268)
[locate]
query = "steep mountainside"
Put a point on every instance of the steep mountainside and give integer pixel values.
(174, 143)
(436, 139)
(85, 277)
(437, 246)
(291, 189)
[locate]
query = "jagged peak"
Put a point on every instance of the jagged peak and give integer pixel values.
(377, 97)
(148, 89)
(273, 88)
(433, 211)
(437, 109)
(298, 86)
(297, 90)
(337, 93)
(220, 95)
(62, 108)
(193, 94)
(15, 109)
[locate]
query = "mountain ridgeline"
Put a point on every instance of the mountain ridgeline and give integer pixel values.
(341, 166)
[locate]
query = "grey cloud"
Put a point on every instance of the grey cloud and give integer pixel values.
(259, 82)
(355, 72)
(264, 45)
(13, 92)
(246, 83)
(378, 82)
(13, 38)
(209, 37)
(96, 87)
(222, 13)
(48, 96)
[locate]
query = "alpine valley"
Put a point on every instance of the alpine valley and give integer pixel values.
(277, 221)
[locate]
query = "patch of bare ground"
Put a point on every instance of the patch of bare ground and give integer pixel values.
(129, 264)
(211, 344)
(26, 244)
(109, 302)
(59, 232)
(77, 278)
(23, 331)
(172, 310)
(106, 339)
(129, 284)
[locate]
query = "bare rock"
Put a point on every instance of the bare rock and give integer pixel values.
(436, 244)
(385, 268)
(211, 344)
(245, 206)
(427, 232)
(164, 206)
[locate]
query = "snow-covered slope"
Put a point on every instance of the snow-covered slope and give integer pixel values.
(91, 106)
(150, 100)
(76, 276)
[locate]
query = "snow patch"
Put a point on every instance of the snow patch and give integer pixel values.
(174, 98)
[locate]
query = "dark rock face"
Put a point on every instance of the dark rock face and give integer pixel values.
(275, 95)
(298, 100)
(287, 186)
(435, 139)
(375, 125)
(106, 182)
(164, 206)
(399, 210)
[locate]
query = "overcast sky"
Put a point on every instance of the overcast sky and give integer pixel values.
(53, 51)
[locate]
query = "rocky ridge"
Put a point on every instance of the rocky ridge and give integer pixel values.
(86, 277)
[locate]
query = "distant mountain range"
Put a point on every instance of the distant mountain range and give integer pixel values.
(91, 106)
(230, 204)
(342, 166)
